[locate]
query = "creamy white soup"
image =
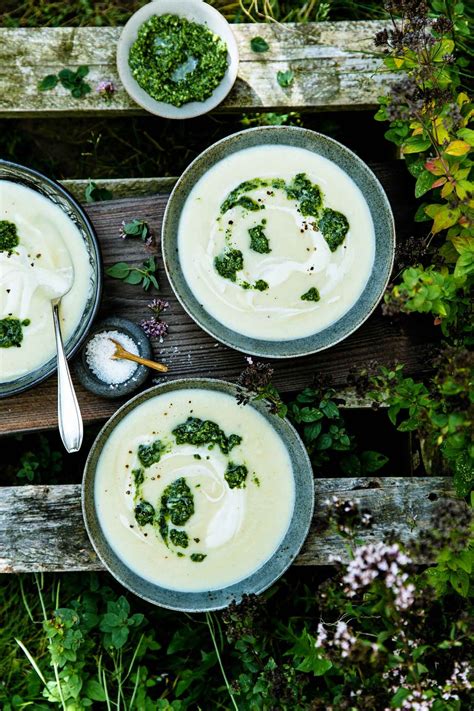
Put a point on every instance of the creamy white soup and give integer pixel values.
(276, 242)
(42, 253)
(193, 491)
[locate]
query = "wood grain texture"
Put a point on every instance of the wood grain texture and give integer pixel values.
(42, 529)
(189, 351)
(333, 64)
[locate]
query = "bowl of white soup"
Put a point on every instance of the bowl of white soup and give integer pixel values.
(47, 248)
(192, 500)
(278, 241)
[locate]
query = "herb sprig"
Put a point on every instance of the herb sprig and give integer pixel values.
(69, 79)
(144, 275)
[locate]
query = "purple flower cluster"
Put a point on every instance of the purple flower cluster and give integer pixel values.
(343, 638)
(154, 327)
(458, 681)
(106, 88)
(347, 515)
(383, 562)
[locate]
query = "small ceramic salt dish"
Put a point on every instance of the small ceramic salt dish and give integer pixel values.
(196, 11)
(108, 377)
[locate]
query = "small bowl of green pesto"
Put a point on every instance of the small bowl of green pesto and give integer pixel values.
(177, 60)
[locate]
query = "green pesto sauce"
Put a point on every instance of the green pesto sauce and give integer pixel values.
(260, 285)
(144, 513)
(8, 236)
(177, 61)
(149, 454)
(334, 226)
(200, 432)
(311, 295)
(179, 538)
(258, 240)
(235, 475)
(11, 331)
(306, 193)
(237, 196)
(176, 505)
(197, 557)
(229, 263)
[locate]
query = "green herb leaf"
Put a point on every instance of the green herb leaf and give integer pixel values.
(93, 193)
(285, 79)
(258, 44)
(120, 270)
(48, 82)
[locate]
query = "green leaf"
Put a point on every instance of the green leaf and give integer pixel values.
(420, 214)
(423, 183)
(351, 465)
(258, 44)
(285, 79)
(464, 474)
(134, 277)
(93, 193)
(119, 270)
(49, 82)
(82, 71)
(466, 134)
(372, 461)
(324, 442)
(95, 691)
(416, 144)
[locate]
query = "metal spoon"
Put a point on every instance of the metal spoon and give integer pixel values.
(70, 423)
(120, 353)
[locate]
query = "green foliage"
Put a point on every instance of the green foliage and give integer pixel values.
(441, 413)
(42, 464)
(144, 275)
(73, 81)
(285, 79)
(258, 44)
(429, 116)
(136, 228)
(318, 417)
(93, 193)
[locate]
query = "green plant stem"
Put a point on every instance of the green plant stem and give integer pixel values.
(210, 624)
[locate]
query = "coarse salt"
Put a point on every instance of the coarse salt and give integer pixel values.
(99, 352)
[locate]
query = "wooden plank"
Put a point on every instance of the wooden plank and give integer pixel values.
(333, 62)
(189, 351)
(42, 529)
(123, 188)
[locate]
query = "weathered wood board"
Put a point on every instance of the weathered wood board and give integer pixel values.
(189, 351)
(333, 62)
(42, 529)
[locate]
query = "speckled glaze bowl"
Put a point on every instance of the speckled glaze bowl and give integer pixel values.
(60, 197)
(262, 578)
(196, 11)
(90, 381)
(380, 211)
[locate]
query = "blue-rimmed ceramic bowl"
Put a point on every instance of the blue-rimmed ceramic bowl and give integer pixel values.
(380, 211)
(62, 198)
(261, 579)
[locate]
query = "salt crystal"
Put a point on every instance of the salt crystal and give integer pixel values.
(99, 352)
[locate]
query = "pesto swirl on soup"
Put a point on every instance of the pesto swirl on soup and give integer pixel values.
(194, 492)
(276, 242)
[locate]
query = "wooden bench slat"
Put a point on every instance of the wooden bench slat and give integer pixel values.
(189, 351)
(333, 63)
(41, 527)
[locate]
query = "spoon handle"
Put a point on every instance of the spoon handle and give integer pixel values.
(125, 355)
(69, 414)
